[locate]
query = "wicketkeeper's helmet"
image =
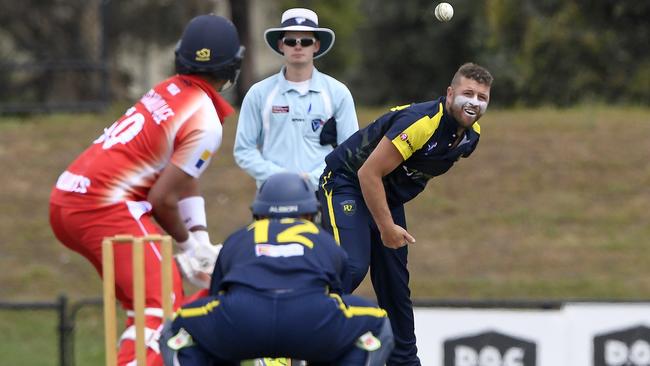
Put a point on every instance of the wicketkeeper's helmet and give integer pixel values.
(210, 45)
(285, 195)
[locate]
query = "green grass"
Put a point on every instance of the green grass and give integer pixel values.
(552, 205)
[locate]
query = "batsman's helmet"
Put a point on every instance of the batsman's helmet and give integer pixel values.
(285, 195)
(210, 45)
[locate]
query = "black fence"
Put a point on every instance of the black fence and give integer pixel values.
(39, 78)
(66, 314)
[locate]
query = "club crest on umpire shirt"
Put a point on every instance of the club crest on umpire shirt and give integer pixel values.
(316, 123)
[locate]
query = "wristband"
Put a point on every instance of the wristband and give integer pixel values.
(192, 211)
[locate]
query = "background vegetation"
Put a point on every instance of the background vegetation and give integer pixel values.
(541, 52)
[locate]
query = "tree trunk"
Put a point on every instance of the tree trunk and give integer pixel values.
(240, 16)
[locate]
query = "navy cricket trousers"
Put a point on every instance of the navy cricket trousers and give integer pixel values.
(306, 324)
(345, 215)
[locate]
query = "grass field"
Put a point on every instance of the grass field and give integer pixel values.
(552, 205)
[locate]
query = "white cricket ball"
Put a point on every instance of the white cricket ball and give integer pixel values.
(444, 12)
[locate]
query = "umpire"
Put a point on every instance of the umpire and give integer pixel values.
(276, 292)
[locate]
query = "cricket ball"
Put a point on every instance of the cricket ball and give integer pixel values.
(444, 12)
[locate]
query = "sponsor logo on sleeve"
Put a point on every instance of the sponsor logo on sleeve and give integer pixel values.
(627, 347)
(489, 348)
(204, 157)
(405, 137)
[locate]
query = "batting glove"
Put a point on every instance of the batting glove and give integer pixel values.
(197, 260)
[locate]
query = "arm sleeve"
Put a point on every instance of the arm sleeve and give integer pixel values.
(197, 140)
(248, 140)
(407, 134)
(346, 117)
(410, 131)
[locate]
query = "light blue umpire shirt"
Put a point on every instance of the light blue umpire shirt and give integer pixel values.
(279, 129)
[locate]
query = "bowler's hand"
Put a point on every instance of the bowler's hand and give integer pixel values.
(396, 237)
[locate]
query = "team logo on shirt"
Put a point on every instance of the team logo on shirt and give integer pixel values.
(349, 207)
(280, 109)
(316, 123)
(403, 137)
(204, 157)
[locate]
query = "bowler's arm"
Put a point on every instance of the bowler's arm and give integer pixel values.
(383, 160)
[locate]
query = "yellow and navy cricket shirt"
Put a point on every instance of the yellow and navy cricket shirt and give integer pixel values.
(272, 254)
(423, 133)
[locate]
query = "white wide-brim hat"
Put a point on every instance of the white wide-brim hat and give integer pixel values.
(300, 20)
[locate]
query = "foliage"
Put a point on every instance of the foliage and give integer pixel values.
(54, 48)
(541, 52)
(407, 56)
(564, 52)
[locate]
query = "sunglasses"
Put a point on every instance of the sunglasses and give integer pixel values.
(303, 42)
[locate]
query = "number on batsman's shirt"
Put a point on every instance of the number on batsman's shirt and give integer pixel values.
(177, 122)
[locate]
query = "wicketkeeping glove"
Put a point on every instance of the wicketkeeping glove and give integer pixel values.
(197, 259)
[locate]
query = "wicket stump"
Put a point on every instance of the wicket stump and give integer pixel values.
(108, 269)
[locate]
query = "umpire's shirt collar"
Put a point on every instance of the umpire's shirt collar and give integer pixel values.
(315, 85)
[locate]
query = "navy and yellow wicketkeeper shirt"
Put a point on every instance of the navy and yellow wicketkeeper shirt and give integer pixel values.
(423, 133)
(275, 254)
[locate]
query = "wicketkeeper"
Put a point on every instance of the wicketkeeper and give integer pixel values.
(277, 292)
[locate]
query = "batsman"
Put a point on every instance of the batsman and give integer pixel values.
(146, 166)
(370, 176)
